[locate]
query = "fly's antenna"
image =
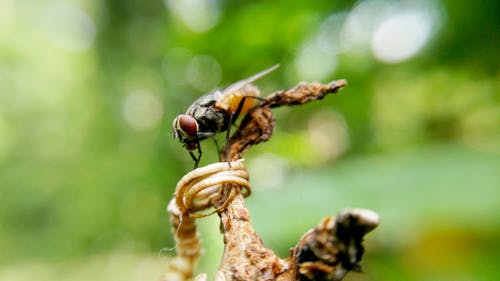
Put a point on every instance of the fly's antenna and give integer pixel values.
(241, 84)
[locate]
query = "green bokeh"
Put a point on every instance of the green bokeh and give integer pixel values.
(88, 91)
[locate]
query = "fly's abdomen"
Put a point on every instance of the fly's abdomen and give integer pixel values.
(231, 101)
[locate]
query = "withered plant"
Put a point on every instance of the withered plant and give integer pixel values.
(326, 252)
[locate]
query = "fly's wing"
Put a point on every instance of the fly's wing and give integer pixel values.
(232, 95)
(241, 84)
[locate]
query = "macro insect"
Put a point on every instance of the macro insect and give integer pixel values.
(215, 112)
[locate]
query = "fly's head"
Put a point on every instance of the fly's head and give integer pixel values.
(185, 128)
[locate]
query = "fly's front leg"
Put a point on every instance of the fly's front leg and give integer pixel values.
(200, 136)
(196, 159)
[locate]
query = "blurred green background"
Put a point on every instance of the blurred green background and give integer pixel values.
(89, 89)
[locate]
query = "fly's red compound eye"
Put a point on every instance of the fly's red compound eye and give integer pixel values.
(188, 124)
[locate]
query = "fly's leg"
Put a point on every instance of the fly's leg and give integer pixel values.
(196, 159)
(199, 136)
(217, 147)
(232, 119)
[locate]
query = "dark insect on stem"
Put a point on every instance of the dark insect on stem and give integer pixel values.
(215, 112)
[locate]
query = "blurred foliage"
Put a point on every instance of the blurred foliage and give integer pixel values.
(88, 91)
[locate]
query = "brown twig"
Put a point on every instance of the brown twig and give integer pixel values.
(258, 124)
(304, 92)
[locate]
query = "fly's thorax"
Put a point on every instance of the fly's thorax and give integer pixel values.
(211, 119)
(207, 100)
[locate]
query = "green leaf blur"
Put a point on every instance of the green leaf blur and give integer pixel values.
(89, 89)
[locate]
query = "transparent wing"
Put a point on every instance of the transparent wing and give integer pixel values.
(241, 84)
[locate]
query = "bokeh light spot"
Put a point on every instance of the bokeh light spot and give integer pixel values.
(314, 63)
(328, 134)
(142, 110)
(7, 18)
(269, 170)
(69, 27)
(317, 57)
(401, 36)
(360, 23)
(204, 73)
(174, 65)
(197, 15)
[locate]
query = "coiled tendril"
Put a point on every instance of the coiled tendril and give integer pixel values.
(196, 192)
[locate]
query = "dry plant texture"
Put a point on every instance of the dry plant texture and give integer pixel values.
(326, 252)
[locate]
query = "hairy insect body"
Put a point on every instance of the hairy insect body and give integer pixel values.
(210, 118)
(215, 112)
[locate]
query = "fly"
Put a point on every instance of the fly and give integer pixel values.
(215, 112)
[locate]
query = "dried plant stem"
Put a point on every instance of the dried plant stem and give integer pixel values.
(326, 252)
(251, 258)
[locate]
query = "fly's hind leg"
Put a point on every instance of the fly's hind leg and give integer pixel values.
(232, 119)
(227, 141)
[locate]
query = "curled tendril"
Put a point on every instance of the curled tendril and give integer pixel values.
(199, 189)
(196, 192)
